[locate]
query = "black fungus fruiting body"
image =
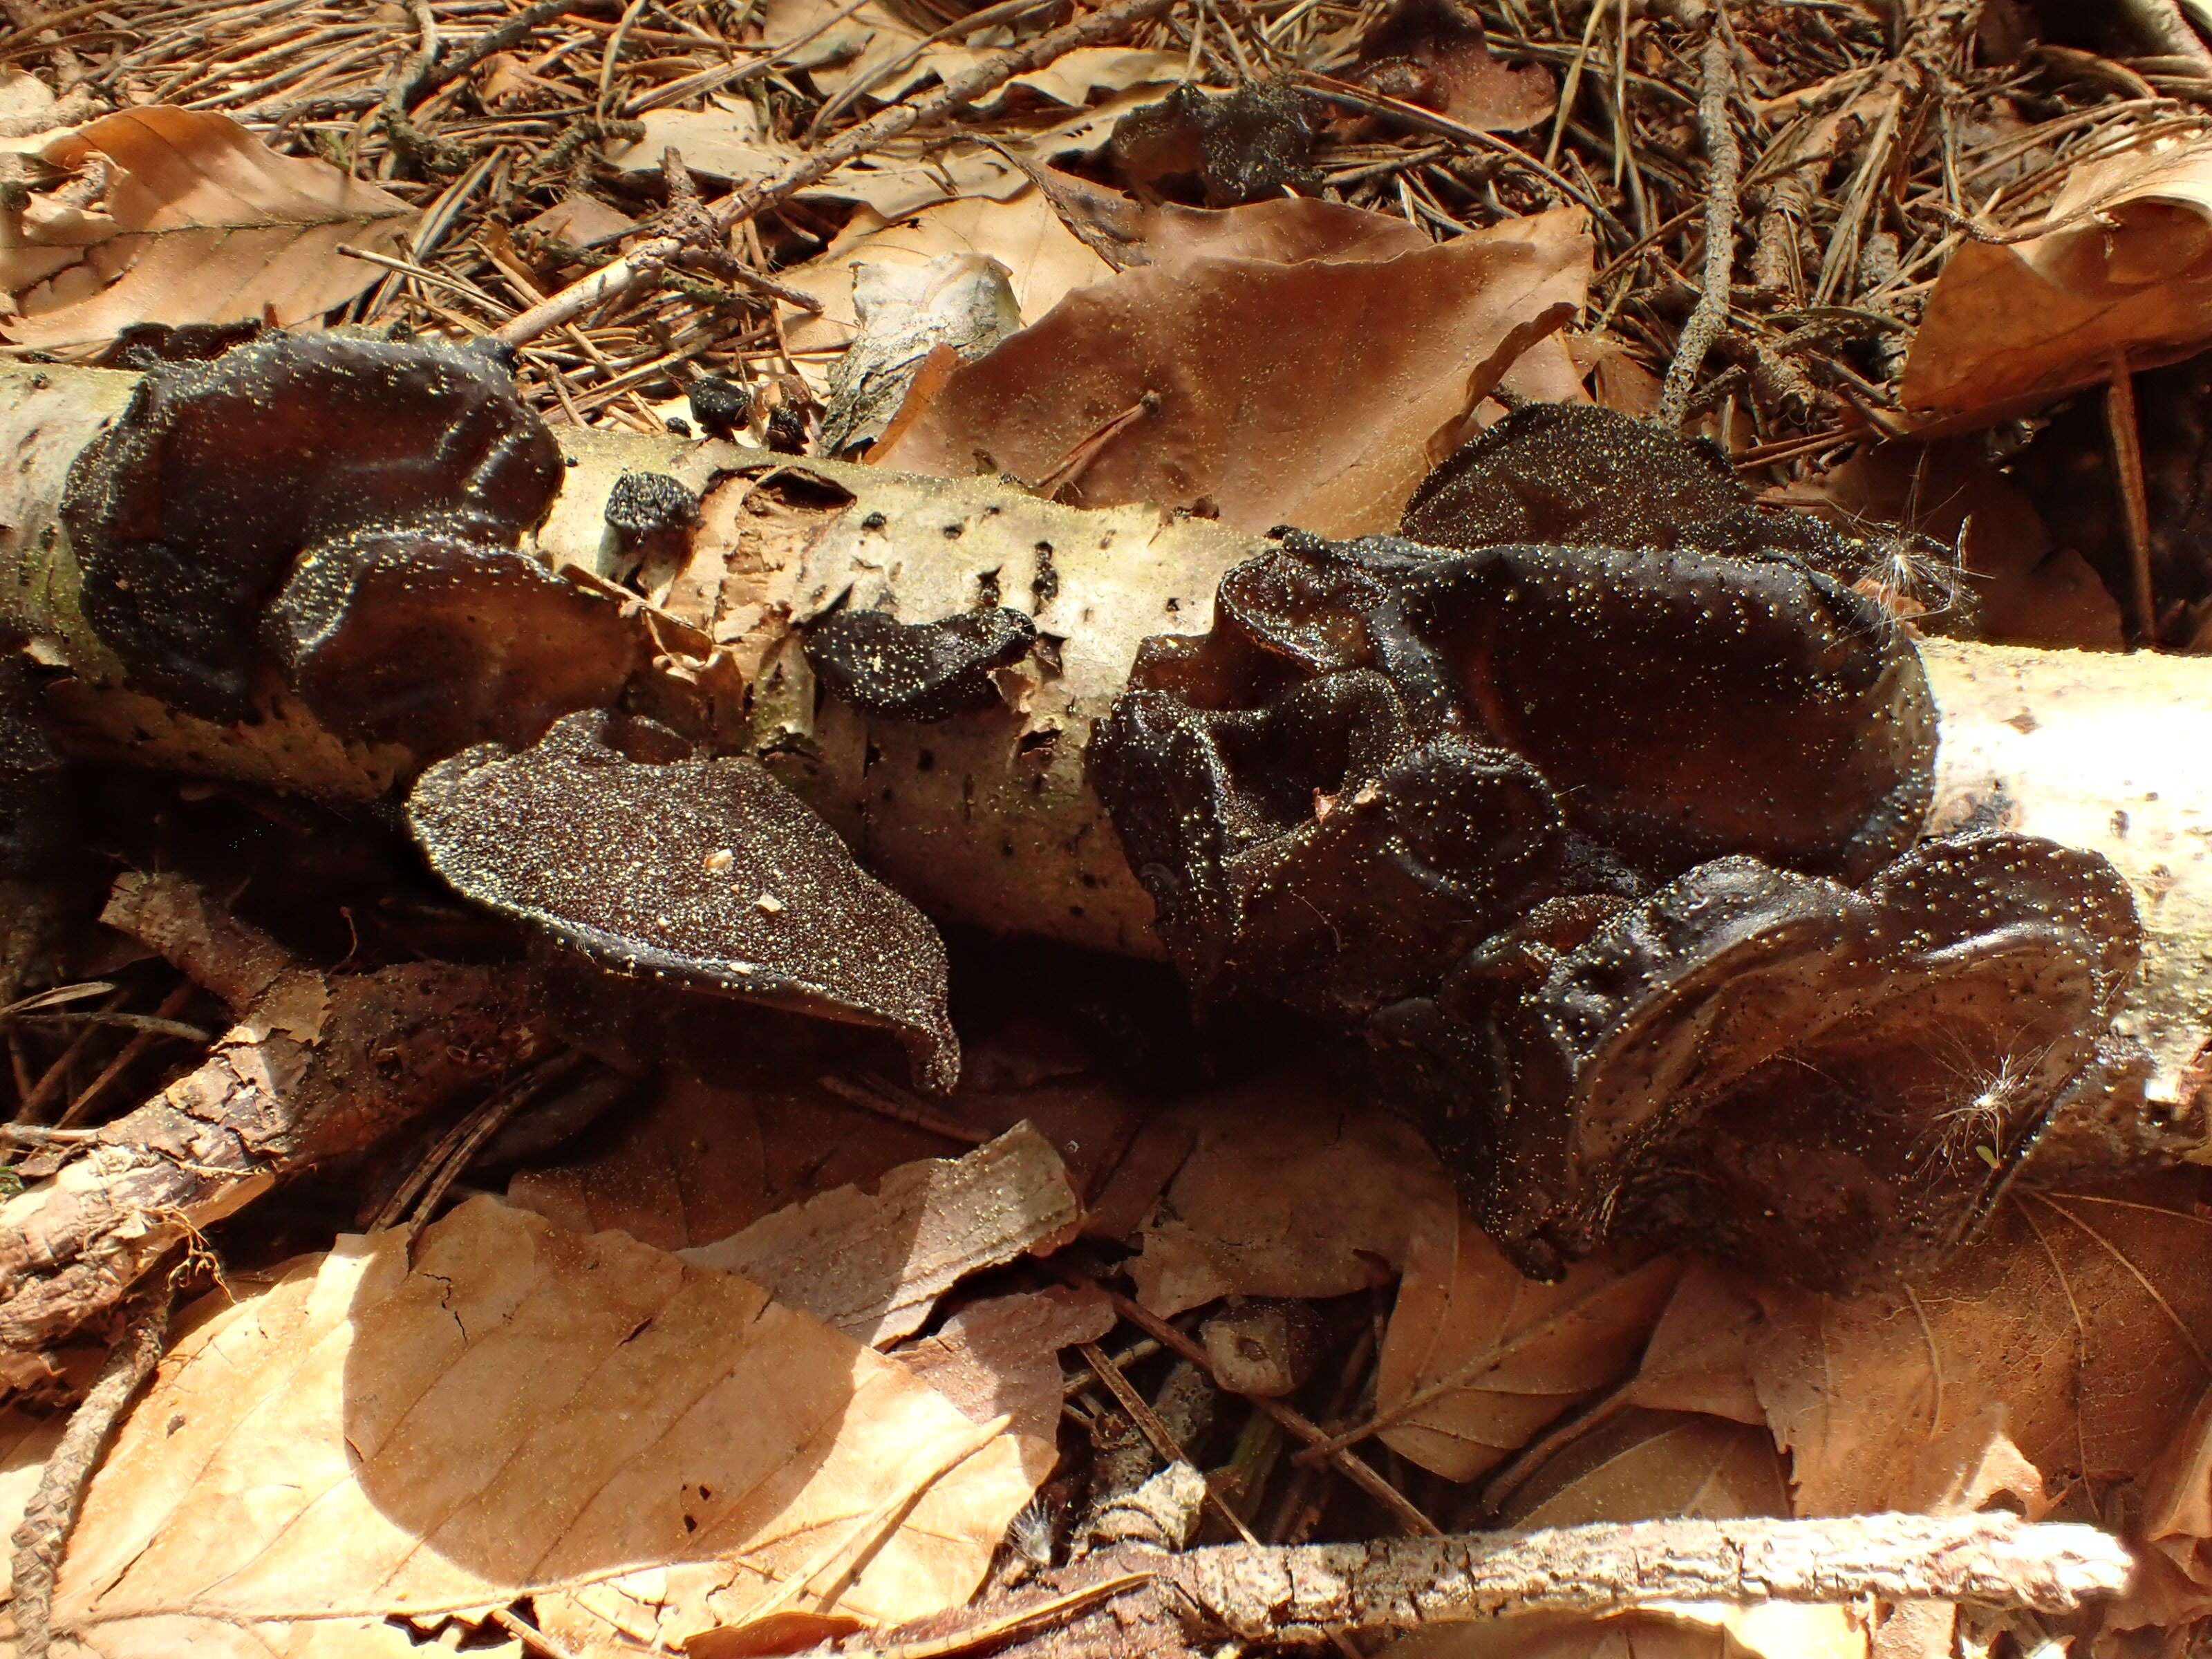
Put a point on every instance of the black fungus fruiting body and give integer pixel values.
(919, 672)
(1580, 475)
(1246, 146)
(187, 514)
(435, 642)
(786, 431)
(664, 889)
(651, 515)
(720, 407)
(1606, 850)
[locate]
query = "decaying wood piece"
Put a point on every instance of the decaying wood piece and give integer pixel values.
(1308, 1594)
(989, 817)
(319, 1065)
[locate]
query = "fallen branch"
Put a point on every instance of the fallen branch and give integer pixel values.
(641, 262)
(989, 818)
(319, 1065)
(51, 1515)
(1310, 1594)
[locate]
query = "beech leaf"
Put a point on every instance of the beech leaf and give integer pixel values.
(2074, 1330)
(645, 1448)
(1477, 1358)
(1317, 393)
(201, 223)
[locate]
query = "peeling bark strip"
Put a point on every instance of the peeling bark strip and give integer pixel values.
(318, 1066)
(987, 817)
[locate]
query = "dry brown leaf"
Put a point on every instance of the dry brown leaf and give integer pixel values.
(2029, 591)
(1644, 1465)
(872, 1264)
(1477, 1359)
(2125, 266)
(1289, 1190)
(1258, 392)
(1043, 262)
(1433, 51)
(645, 1448)
(581, 221)
(1698, 1358)
(701, 1162)
(1074, 77)
(2074, 1331)
(2174, 1578)
(999, 1358)
(200, 223)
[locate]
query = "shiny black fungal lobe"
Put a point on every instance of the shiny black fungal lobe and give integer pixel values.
(435, 642)
(720, 407)
(1578, 475)
(917, 670)
(1606, 854)
(1246, 146)
(786, 431)
(653, 515)
(1834, 1084)
(187, 513)
(673, 888)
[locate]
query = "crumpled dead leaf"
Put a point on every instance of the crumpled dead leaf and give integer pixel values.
(646, 1449)
(1477, 1359)
(1257, 392)
(2067, 1342)
(1432, 53)
(200, 223)
(963, 302)
(2125, 266)
(873, 1264)
(2029, 590)
(1289, 1189)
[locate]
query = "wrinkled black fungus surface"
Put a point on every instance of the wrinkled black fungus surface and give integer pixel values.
(1244, 147)
(1605, 848)
(917, 670)
(1382, 753)
(149, 345)
(35, 819)
(645, 505)
(678, 885)
(187, 514)
(720, 407)
(786, 431)
(1578, 475)
(1772, 1066)
(437, 643)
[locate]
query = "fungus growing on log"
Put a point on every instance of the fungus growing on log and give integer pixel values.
(1371, 718)
(1772, 1065)
(653, 515)
(678, 888)
(187, 514)
(437, 643)
(1578, 475)
(1603, 851)
(918, 671)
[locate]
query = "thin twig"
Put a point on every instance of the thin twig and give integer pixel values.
(1718, 73)
(51, 1515)
(2134, 499)
(611, 281)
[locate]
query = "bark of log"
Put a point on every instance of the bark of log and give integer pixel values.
(319, 1065)
(988, 818)
(1311, 1595)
